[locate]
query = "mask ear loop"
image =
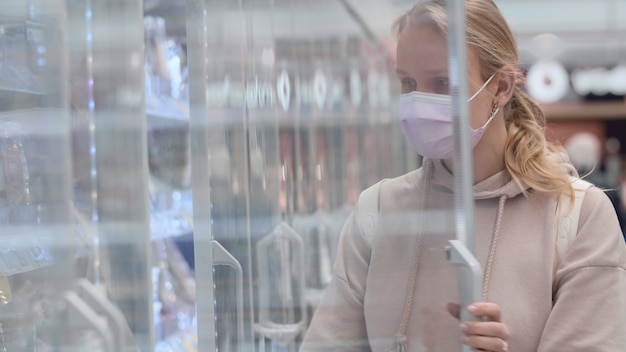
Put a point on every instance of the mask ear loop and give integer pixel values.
(483, 87)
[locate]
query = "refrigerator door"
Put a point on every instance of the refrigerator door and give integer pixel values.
(177, 175)
(293, 113)
(42, 250)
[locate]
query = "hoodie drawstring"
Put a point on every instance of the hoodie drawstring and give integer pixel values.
(400, 343)
(400, 339)
(492, 247)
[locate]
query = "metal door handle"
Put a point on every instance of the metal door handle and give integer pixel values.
(77, 308)
(221, 257)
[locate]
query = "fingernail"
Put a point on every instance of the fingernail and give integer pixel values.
(472, 309)
(464, 327)
(465, 338)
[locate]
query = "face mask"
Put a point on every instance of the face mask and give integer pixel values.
(427, 123)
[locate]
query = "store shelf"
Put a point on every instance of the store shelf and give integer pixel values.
(23, 253)
(170, 216)
(586, 111)
(166, 108)
(29, 247)
(173, 223)
(15, 78)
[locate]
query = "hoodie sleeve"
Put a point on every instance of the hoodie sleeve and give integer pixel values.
(589, 308)
(339, 323)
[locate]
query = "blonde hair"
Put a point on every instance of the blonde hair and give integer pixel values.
(527, 152)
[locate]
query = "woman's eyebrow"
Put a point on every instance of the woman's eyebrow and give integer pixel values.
(438, 71)
(401, 72)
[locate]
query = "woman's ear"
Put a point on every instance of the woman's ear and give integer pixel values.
(506, 85)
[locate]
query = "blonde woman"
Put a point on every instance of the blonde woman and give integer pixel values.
(393, 291)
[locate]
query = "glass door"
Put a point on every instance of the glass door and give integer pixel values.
(46, 246)
(290, 121)
(110, 168)
(273, 122)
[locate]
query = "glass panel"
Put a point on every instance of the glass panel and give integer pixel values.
(290, 122)
(184, 175)
(109, 172)
(169, 163)
(41, 252)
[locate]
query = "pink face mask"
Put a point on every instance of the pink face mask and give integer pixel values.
(427, 123)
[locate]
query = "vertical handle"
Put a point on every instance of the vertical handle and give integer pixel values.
(100, 304)
(470, 275)
(280, 261)
(6, 295)
(77, 308)
(221, 257)
(461, 251)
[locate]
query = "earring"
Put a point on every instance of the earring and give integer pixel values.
(494, 110)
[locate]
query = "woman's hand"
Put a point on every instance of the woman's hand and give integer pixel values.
(490, 334)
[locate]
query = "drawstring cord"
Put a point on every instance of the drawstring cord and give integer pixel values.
(400, 343)
(492, 247)
(400, 339)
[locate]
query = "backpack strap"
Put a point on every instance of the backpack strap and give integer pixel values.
(367, 211)
(568, 224)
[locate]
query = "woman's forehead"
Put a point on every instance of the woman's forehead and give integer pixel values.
(425, 48)
(422, 47)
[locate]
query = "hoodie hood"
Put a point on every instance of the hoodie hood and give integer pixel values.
(495, 186)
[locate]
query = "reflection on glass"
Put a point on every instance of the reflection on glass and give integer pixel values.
(318, 243)
(14, 177)
(282, 102)
(280, 263)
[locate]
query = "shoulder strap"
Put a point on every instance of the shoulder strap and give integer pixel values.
(367, 211)
(568, 224)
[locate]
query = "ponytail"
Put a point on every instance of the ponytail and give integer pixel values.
(526, 153)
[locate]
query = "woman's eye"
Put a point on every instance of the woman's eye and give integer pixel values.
(408, 85)
(441, 85)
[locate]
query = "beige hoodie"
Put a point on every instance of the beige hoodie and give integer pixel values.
(575, 303)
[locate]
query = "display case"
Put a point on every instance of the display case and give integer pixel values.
(290, 121)
(176, 174)
(47, 243)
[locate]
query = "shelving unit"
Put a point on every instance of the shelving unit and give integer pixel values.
(586, 111)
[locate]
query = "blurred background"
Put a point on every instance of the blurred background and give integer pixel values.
(174, 174)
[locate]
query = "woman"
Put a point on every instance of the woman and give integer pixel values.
(392, 292)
